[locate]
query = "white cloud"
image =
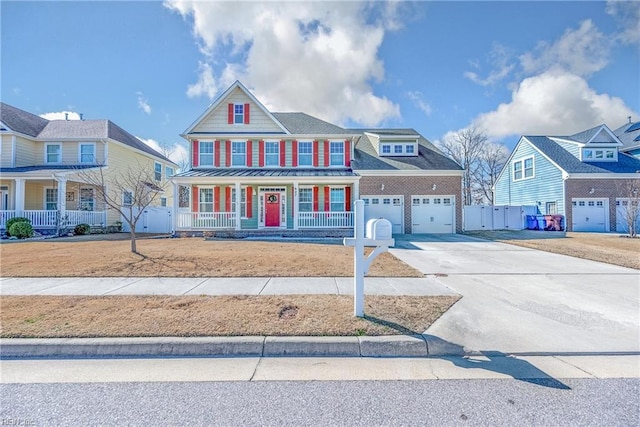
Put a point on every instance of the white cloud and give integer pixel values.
(316, 57)
(555, 102)
(175, 152)
(61, 115)
(143, 103)
(628, 15)
(206, 84)
(500, 60)
(418, 100)
(581, 51)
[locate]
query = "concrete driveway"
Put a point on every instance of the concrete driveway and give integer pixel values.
(519, 300)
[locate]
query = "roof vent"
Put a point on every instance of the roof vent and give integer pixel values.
(629, 117)
(81, 116)
(66, 116)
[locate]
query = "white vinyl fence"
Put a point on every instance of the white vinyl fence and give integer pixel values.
(485, 217)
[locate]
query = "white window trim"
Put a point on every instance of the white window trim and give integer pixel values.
(166, 171)
(155, 171)
(521, 161)
(46, 157)
(213, 197)
(93, 198)
(604, 153)
(272, 141)
(234, 114)
(344, 196)
(44, 195)
(213, 154)
(341, 163)
(93, 144)
(310, 165)
(309, 188)
(123, 201)
(238, 141)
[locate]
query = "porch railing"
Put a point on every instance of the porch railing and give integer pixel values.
(208, 220)
(325, 219)
(48, 218)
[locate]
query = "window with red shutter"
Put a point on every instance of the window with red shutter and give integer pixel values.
(246, 114)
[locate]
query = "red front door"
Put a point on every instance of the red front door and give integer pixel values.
(272, 210)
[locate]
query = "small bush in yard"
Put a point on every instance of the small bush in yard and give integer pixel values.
(21, 229)
(14, 220)
(82, 229)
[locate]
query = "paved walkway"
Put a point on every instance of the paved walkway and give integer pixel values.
(219, 286)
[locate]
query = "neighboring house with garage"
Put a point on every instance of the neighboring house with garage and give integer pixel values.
(255, 171)
(42, 163)
(583, 177)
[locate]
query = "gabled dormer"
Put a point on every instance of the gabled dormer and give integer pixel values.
(394, 144)
(598, 144)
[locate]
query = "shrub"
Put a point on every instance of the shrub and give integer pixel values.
(21, 229)
(14, 220)
(82, 229)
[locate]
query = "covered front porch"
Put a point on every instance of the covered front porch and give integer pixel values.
(49, 201)
(265, 204)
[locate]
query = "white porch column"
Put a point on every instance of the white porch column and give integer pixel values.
(19, 196)
(238, 190)
(62, 196)
(296, 205)
(174, 208)
(356, 191)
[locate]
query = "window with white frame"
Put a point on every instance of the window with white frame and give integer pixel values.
(205, 153)
(523, 169)
(87, 199)
(386, 149)
(397, 149)
(127, 198)
(272, 154)
(157, 169)
(238, 153)
(53, 153)
(168, 172)
(305, 153)
(336, 153)
(163, 202)
(243, 201)
(51, 199)
(337, 199)
(87, 153)
(206, 200)
(305, 200)
(238, 114)
(602, 154)
(410, 149)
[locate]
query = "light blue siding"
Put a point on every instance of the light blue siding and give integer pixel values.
(546, 185)
(571, 148)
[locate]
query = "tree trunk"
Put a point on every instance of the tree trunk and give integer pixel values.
(133, 242)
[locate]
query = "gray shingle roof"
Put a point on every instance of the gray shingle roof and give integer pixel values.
(302, 123)
(629, 134)
(44, 168)
(37, 127)
(571, 164)
(250, 173)
(429, 157)
(21, 121)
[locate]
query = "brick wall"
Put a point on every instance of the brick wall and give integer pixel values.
(602, 189)
(415, 185)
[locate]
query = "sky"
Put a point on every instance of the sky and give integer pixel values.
(510, 68)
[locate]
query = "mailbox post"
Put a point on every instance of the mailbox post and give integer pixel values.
(378, 236)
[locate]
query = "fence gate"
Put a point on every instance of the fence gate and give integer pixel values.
(152, 220)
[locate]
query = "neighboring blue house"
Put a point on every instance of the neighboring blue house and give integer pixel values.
(588, 177)
(629, 135)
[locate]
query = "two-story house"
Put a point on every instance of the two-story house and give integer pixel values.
(583, 177)
(253, 170)
(42, 164)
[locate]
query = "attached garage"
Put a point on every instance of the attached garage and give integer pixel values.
(590, 214)
(433, 214)
(388, 207)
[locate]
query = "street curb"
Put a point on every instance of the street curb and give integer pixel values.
(243, 346)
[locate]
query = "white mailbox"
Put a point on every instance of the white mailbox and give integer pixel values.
(379, 229)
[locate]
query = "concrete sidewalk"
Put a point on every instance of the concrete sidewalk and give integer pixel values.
(219, 286)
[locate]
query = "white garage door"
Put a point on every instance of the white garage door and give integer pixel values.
(590, 214)
(388, 207)
(622, 210)
(433, 214)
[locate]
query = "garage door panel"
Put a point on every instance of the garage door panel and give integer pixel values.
(589, 214)
(432, 214)
(388, 207)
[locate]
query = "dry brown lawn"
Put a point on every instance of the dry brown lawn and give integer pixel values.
(96, 256)
(609, 248)
(146, 316)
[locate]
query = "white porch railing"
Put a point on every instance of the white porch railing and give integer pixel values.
(47, 218)
(325, 219)
(208, 220)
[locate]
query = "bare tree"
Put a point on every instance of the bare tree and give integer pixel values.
(465, 147)
(129, 192)
(630, 206)
(491, 160)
